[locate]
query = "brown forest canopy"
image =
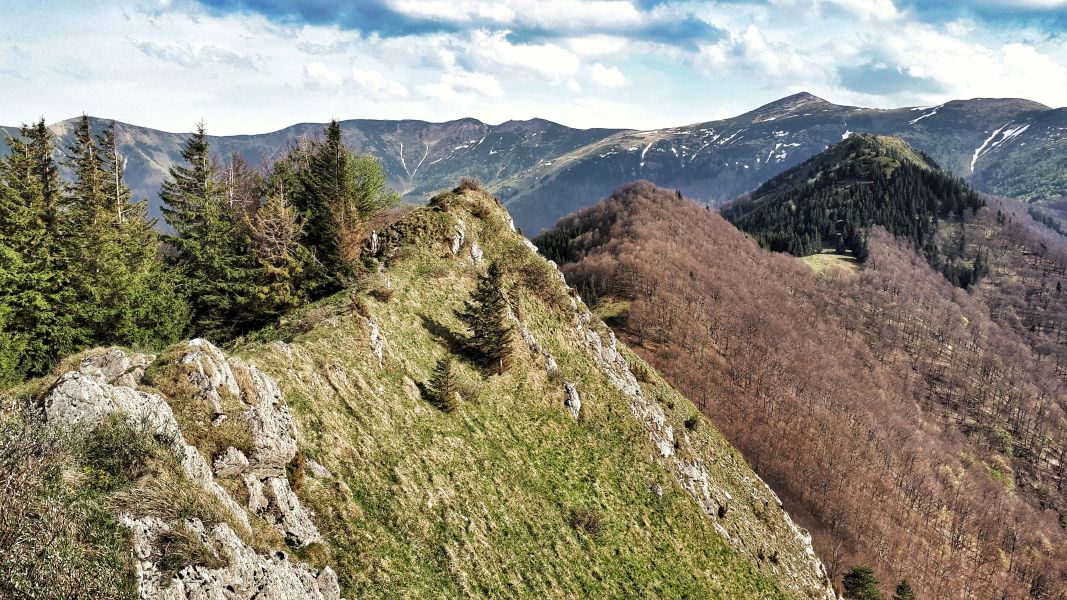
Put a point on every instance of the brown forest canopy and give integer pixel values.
(902, 424)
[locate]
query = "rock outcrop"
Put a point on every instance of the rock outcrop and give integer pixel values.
(86, 397)
(248, 576)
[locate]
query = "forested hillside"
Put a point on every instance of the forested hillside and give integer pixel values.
(909, 429)
(834, 198)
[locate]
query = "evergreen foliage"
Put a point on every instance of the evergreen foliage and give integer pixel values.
(831, 201)
(81, 264)
(861, 584)
(444, 389)
(487, 316)
(35, 298)
(218, 270)
(338, 191)
(904, 591)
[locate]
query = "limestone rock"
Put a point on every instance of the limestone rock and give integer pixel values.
(78, 399)
(573, 401)
(287, 514)
(248, 575)
(231, 463)
(210, 372)
(477, 256)
(273, 428)
(316, 469)
(116, 366)
(458, 236)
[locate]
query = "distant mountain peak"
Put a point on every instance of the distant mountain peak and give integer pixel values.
(789, 104)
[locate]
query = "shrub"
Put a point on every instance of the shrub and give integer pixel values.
(469, 183)
(692, 422)
(586, 521)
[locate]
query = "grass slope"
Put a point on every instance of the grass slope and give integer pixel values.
(509, 496)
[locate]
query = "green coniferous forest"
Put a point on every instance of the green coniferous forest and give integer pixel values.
(82, 264)
(833, 199)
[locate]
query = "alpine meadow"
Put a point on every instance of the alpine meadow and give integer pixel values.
(727, 299)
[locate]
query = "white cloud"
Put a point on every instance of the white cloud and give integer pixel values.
(869, 10)
(492, 49)
(750, 49)
(607, 76)
(319, 76)
(375, 85)
(453, 88)
(475, 82)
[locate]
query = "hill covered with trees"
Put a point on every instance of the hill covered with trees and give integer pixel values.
(908, 425)
(834, 198)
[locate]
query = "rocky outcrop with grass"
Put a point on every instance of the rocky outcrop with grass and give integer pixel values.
(221, 544)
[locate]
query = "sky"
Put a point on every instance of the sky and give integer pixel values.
(253, 66)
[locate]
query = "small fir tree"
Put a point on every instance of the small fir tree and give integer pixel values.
(444, 389)
(904, 591)
(487, 316)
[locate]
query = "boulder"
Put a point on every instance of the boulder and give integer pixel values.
(210, 372)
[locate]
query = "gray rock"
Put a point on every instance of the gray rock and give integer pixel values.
(287, 513)
(77, 399)
(316, 470)
(458, 236)
(116, 366)
(231, 463)
(273, 428)
(477, 256)
(573, 401)
(248, 575)
(210, 372)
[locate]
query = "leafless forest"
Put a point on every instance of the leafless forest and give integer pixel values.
(912, 426)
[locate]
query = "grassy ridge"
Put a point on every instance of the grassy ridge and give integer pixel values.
(508, 496)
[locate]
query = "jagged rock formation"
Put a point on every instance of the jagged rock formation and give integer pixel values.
(86, 397)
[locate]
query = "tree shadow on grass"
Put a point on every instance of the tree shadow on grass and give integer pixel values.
(454, 342)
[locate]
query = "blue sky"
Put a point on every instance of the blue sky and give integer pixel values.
(250, 66)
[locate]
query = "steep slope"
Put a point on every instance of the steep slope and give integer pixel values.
(543, 170)
(903, 426)
(578, 472)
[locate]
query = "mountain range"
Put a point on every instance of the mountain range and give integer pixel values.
(543, 170)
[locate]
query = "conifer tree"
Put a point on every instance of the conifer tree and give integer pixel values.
(146, 308)
(274, 228)
(904, 591)
(860, 584)
(35, 301)
(217, 270)
(443, 387)
(488, 317)
(339, 192)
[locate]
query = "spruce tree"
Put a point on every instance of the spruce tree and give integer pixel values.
(443, 387)
(217, 269)
(860, 584)
(339, 192)
(488, 317)
(35, 302)
(904, 591)
(146, 309)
